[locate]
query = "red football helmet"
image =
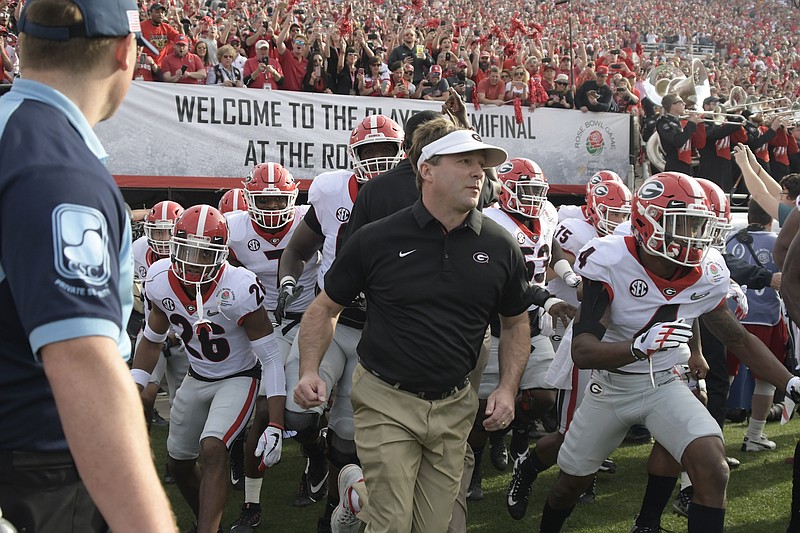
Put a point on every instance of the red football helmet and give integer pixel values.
(158, 225)
(718, 201)
(603, 176)
(199, 244)
(523, 187)
(372, 130)
(271, 193)
(232, 200)
(604, 199)
(672, 219)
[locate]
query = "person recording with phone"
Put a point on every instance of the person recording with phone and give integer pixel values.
(460, 81)
(434, 87)
(624, 100)
(594, 95)
(317, 79)
(183, 66)
(399, 86)
(262, 72)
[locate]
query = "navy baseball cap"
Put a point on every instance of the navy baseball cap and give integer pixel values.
(101, 18)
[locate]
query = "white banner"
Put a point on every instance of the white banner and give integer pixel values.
(167, 135)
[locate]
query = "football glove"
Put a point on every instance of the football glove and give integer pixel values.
(270, 445)
(793, 389)
(289, 292)
(737, 294)
(663, 336)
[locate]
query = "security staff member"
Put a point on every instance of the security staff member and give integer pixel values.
(74, 450)
(675, 139)
(424, 331)
(715, 154)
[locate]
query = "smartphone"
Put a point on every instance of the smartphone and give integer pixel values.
(360, 72)
(373, 36)
(448, 56)
(476, 33)
(615, 51)
(442, 23)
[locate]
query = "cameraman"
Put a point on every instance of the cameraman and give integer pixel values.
(261, 72)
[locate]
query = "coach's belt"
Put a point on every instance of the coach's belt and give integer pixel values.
(422, 395)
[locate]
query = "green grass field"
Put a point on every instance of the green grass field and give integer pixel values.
(759, 492)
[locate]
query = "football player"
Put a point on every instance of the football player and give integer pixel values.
(148, 249)
(257, 238)
(608, 203)
(641, 295)
(233, 200)
(218, 311)
(527, 215)
(375, 146)
(575, 211)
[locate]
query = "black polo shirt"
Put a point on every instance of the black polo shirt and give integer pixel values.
(430, 293)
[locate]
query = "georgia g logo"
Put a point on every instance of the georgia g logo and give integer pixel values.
(600, 190)
(651, 189)
(505, 168)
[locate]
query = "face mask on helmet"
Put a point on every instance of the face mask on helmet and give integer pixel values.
(523, 187)
(681, 235)
(271, 193)
(158, 226)
(607, 206)
(198, 247)
(672, 219)
(376, 146)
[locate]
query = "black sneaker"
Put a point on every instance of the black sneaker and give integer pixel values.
(590, 496)
(168, 479)
(248, 520)
(313, 483)
(324, 525)
(608, 466)
(638, 434)
(157, 420)
(522, 477)
(681, 504)
(237, 465)
(498, 453)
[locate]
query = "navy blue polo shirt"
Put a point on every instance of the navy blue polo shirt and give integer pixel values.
(430, 293)
(66, 268)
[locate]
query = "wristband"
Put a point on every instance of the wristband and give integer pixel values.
(273, 424)
(562, 268)
(633, 354)
(153, 336)
(140, 377)
(550, 302)
(285, 280)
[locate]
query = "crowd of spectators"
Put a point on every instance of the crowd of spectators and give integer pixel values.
(492, 53)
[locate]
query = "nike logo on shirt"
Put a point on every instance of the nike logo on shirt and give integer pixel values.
(403, 254)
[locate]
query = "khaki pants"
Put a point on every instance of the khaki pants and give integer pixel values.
(412, 453)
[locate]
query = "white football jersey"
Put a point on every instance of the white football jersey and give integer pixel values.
(219, 347)
(624, 229)
(640, 299)
(332, 194)
(536, 244)
(566, 211)
(143, 257)
(571, 234)
(260, 251)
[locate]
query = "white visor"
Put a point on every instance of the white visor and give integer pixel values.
(459, 142)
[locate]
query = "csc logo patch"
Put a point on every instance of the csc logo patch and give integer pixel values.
(80, 244)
